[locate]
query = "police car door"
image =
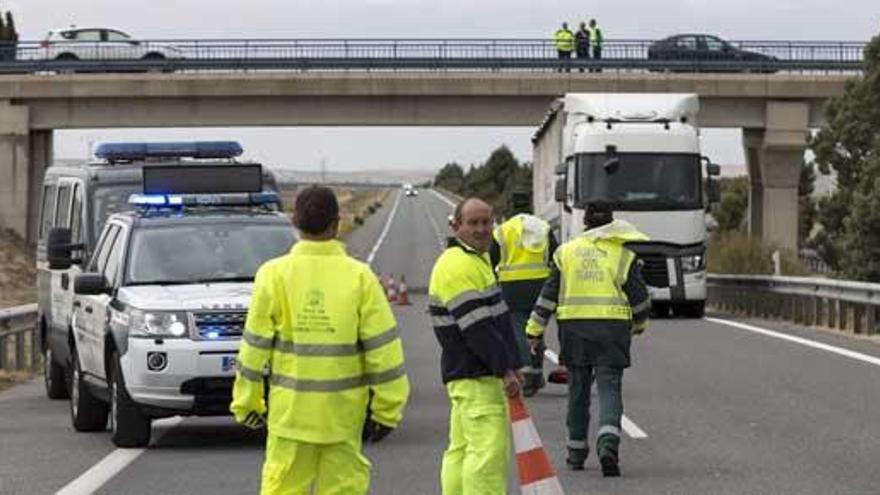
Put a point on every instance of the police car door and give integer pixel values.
(92, 311)
(68, 214)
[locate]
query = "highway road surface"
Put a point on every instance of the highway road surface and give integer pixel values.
(713, 406)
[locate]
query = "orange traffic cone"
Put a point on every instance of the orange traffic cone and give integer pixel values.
(559, 375)
(402, 295)
(392, 289)
(536, 473)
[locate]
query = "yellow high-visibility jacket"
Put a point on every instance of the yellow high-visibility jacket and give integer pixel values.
(320, 323)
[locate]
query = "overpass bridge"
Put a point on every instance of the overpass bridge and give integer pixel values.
(429, 83)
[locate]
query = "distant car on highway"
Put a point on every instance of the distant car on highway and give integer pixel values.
(705, 47)
(91, 43)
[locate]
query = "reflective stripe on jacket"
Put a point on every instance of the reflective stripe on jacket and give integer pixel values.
(525, 249)
(320, 322)
(470, 319)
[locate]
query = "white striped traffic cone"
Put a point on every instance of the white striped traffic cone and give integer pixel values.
(536, 473)
(392, 289)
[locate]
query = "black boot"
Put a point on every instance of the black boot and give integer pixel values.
(610, 466)
(576, 459)
(533, 383)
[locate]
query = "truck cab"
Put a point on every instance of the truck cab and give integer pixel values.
(160, 305)
(641, 153)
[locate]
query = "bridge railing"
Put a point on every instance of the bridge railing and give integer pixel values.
(411, 54)
(821, 302)
(18, 338)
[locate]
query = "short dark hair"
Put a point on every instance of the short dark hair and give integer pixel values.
(316, 209)
(598, 214)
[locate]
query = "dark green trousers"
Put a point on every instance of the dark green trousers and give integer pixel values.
(608, 382)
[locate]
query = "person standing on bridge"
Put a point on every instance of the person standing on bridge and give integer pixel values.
(320, 324)
(596, 41)
(520, 252)
(564, 42)
(582, 43)
(479, 358)
(600, 299)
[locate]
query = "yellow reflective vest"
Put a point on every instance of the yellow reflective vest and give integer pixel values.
(320, 323)
(564, 40)
(525, 249)
(593, 268)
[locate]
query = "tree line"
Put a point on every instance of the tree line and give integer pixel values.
(495, 180)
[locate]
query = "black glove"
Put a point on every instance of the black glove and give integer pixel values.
(375, 432)
(254, 420)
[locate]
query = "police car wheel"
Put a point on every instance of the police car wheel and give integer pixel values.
(54, 377)
(129, 426)
(87, 412)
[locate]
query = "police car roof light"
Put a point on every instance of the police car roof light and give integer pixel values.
(228, 199)
(194, 149)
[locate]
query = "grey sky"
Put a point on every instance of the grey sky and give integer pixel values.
(346, 148)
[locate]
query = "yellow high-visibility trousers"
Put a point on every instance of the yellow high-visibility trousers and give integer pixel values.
(476, 461)
(293, 467)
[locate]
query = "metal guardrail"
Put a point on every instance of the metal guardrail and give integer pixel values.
(18, 338)
(408, 54)
(838, 304)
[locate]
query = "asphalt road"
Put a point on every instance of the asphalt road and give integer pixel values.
(724, 410)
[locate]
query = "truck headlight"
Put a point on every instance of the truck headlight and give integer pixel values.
(157, 324)
(693, 263)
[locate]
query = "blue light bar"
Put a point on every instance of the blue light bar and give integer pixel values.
(142, 151)
(228, 199)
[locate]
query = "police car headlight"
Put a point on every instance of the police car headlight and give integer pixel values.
(157, 324)
(694, 263)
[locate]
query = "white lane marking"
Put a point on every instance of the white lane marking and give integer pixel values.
(440, 238)
(443, 198)
(865, 358)
(113, 463)
(385, 230)
(629, 427)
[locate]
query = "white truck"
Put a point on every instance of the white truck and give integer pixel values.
(640, 152)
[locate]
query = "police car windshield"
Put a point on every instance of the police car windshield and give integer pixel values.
(205, 252)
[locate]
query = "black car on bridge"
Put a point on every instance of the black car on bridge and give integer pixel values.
(706, 53)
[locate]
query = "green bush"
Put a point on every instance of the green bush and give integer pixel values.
(736, 252)
(371, 209)
(358, 220)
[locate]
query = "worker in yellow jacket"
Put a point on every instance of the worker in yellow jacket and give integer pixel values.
(600, 300)
(480, 359)
(320, 328)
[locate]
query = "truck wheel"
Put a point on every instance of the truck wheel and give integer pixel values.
(87, 412)
(54, 377)
(129, 426)
(659, 310)
(694, 309)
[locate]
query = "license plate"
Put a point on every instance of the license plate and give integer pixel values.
(227, 363)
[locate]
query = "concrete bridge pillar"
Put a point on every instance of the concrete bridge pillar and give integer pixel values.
(24, 156)
(774, 157)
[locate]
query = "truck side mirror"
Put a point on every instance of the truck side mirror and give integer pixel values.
(90, 284)
(713, 190)
(561, 192)
(58, 248)
(561, 168)
(712, 169)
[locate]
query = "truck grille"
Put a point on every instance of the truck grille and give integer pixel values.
(219, 324)
(654, 270)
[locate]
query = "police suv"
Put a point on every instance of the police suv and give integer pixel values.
(160, 306)
(76, 201)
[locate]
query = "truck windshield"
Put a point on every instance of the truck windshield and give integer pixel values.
(641, 181)
(204, 252)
